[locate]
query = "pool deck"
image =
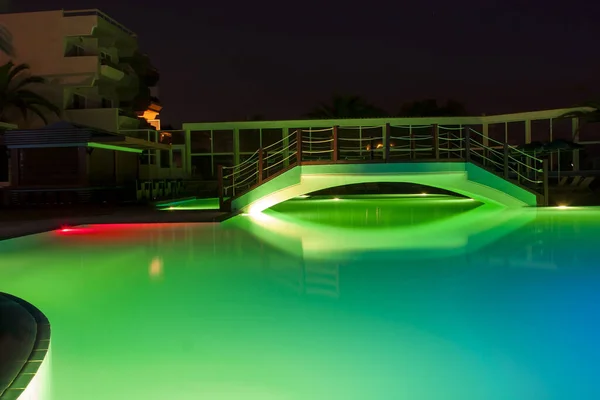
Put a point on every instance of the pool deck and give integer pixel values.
(21, 222)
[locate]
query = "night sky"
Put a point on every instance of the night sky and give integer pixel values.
(228, 60)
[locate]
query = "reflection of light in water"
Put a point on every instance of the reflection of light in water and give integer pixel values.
(156, 267)
(461, 233)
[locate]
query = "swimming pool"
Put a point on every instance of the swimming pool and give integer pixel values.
(354, 298)
(189, 204)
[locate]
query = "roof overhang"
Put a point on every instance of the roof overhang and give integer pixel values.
(79, 138)
(95, 145)
(130, 142)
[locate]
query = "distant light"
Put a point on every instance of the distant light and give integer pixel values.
(562, 206)
(66, 230)
(171, 208)
(423, 194)
(336, 199)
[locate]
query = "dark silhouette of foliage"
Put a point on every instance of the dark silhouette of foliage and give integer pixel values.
(346, 107)
(15, 93)
(430, 108)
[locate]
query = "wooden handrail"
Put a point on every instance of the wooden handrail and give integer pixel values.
(299, 147)
(334, 144)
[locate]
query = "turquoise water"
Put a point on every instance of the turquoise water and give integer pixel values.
(356, 298)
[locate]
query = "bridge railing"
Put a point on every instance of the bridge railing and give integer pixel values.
(508, 161)
(259, 166)
(384, 143)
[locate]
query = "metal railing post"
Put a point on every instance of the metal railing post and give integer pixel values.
(335, 144)
(467, 140)
(411, 142)
(387, 142)
(260, 165)
(436, 141)
(505, 160)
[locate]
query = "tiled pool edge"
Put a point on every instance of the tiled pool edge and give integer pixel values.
(37, 355)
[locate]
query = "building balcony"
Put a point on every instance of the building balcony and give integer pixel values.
(81, 65)
(128, 120)
(86, 22)
(108, 119)
(151, 135)
(111, 70)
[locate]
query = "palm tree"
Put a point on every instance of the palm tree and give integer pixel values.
(6, 42)
(15, 94)
(346, 107)
(6, 45)
(430, 108)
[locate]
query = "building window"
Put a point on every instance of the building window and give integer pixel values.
(75, 51)
(165, 159)
(107, 103)
(177, 159)
(222, 141)
(105, 56)
(78, 102)
(148, 157)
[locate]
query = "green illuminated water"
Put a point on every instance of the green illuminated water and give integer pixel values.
(437, 299)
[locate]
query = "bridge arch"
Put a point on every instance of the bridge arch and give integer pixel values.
(460, 177)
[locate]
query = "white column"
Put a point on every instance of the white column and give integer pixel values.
(236, 146)
(527, 131)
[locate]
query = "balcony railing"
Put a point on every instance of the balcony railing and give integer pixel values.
(151, 135)
(100, 14)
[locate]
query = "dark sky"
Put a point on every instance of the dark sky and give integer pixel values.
(226, 60)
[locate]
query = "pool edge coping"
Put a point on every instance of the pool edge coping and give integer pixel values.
(38, 353)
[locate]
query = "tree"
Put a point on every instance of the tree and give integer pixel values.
(430, 108)
(346, 107)
(146, 75)
(6, 41)
(15, 93)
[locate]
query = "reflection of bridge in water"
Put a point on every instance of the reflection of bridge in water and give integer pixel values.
(462, 233)
(321, 249)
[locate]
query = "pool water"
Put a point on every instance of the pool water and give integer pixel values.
(355, 298)
(190, 204)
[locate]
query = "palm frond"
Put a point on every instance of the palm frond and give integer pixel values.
(6, 42)
(34, 109)
(30, 80)
(15, 92)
